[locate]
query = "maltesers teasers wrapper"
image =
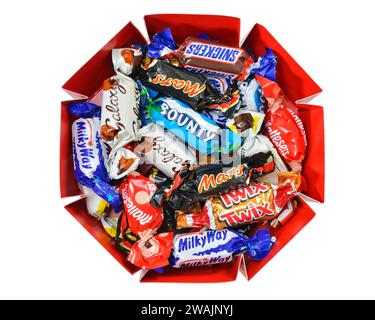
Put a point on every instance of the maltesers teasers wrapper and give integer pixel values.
(215, 247)
(164, 150)
(255, 203)
(283, 126)
(152, 250)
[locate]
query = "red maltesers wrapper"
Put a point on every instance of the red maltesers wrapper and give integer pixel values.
(152, 250)
(283, 126)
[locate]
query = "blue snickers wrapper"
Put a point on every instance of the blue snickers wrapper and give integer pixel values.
(216, 247)
(161, 44)
(200, 132)
(88, 154)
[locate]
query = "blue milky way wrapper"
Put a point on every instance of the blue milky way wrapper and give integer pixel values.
(216, 247)
(89, 165)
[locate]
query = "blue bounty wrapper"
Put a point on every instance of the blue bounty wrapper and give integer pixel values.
(197, 130)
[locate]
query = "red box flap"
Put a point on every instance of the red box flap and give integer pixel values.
(94, 227)
(293, 80)
(90, 77)
(221, 28)
(314, 164)
(301, 218)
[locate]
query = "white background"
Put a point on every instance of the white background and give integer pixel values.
(45, 253)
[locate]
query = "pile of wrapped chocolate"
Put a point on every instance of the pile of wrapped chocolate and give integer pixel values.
(194, 156)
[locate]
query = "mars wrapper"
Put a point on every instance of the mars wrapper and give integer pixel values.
(164, 150)
(196, 184)
(255, 203)
(283, 126)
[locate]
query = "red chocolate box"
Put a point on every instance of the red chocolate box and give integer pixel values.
(294, 81)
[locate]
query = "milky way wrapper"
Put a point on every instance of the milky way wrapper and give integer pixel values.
(164, 150)
(89, 161)
(120, 112)
(255, 203)
(216, 247)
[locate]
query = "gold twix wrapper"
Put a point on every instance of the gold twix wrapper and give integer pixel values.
(257, 202)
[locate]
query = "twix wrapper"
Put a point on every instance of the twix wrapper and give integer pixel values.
(257, 202)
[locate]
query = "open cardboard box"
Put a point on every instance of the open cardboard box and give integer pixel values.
(294, 81)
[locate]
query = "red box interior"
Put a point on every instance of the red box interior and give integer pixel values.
(294, 81)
